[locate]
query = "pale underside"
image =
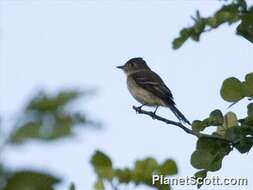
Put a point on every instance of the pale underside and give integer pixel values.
(143, 96)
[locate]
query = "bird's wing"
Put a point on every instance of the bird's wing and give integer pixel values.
(151, 82)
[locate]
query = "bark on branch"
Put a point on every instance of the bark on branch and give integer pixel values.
(180, 125)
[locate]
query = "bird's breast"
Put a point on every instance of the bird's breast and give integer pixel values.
(142, 95)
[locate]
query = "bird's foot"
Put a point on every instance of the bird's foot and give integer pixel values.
(138, 109)
(153, 115)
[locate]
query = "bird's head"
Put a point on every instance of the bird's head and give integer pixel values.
(134, 65)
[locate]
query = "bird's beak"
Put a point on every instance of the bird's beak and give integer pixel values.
(120, 67)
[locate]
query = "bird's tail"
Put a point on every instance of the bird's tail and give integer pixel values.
(178, 114)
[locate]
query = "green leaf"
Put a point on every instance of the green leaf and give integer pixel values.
(209, 154)
(245, 28)
(59, 131)
(226, 14)
(168, 167)
(240, 135)
(248, 85)
(162, 187)
(27, 131)
(233, 133)
(249, 77)
(60, 127)
(198, 126)
(201, 159)
(250, 109)
(144, 169)
(124, 175)
(216, 118)
(244, 145)
(207, 122)
(99, 185)
(232, 90)
(201, 175)
(30, 180)
(43, 102)
(99, 159)
(249, 119)
(102, 165)
(141, 174)
(46, 118)
(178, 42)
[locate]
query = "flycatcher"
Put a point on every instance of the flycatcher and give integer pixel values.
(148, 88)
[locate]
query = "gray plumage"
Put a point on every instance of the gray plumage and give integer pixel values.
(148, 88)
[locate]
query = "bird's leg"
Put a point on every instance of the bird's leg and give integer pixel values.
(156, 109)
(154, 113)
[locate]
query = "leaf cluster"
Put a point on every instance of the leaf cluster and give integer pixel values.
(46, 117)
(233, 90)
(238, 133)
(49, 117)
(236, 11)
(140, 174)
(32, 180)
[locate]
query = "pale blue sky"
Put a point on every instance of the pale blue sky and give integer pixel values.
(54, 44)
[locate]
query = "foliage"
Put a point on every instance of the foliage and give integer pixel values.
(238, 133)
(245, 28)
(200, 175)
(233, 89)
(236, 11)
(49, 117)
(23, 180)
(140, 174)
(209, 154)
(46, 117)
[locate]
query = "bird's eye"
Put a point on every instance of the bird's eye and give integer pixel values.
(132, 65)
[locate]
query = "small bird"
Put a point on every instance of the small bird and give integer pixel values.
(148, 88)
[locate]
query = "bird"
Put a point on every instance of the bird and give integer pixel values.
(148, 88)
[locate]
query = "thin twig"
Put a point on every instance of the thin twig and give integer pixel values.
(180, 125)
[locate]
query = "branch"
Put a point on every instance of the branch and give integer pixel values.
(180, 125)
